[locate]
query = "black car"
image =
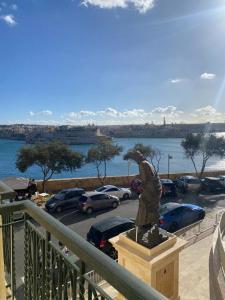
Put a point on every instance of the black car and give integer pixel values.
(100, 233)
(168, 188)
(65, 199)
(212, 185)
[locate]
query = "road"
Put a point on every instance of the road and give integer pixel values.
(81, 223)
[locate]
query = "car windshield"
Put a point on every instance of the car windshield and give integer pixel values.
(100, 189)
(193, 180)
(167, 207)
(60, 195)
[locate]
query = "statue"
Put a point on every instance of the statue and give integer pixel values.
(147, 220)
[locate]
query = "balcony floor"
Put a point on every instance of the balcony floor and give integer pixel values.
(194, 270)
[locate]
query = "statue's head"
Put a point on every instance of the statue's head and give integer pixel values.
(137, 156)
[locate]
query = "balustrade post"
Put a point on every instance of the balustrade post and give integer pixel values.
(47, 266)
(82, 281)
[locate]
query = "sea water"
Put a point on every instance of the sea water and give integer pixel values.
(167, 146)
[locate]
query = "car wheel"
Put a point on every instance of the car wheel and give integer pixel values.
(126, 196)
(59, 209)
(113, 254)
(114, 204)
(89, 211)
(173, 227)
(201, 215)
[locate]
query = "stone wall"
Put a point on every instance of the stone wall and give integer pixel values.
(89, 183)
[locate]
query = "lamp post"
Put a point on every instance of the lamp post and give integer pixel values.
(128, 167)
(169, 158)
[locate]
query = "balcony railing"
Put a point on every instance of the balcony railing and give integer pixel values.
(51, 274)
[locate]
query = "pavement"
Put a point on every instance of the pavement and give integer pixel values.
(194, 271)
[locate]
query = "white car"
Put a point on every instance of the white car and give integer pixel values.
(189, 183)
(112, 190)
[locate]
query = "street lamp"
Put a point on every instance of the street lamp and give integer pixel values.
(169, 158)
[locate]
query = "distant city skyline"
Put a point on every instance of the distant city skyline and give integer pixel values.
(112, 61)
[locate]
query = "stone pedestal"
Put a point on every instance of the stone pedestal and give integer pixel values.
(157, 267)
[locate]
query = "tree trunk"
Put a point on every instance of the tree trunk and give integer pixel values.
(203, 166)
(43, 185)
(98, 171)
(196, 171)
(104, 171)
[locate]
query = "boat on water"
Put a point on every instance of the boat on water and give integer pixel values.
(71, 135)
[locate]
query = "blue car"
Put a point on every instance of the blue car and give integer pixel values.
(174, 216)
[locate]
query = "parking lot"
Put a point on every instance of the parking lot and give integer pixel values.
(81, 223)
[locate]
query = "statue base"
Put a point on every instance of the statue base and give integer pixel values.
(157, 267)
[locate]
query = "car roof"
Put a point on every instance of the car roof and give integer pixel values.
(169, 206)
(72, 190)
(107, 186)
(212, 178)
(165, 208)
(89, 194)
(111, 222)
(166, 181)
(189, 177)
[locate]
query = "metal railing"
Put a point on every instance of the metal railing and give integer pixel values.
(50, 274)
(199, 230)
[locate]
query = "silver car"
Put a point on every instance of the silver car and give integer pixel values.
(91, 201)
(112, 190)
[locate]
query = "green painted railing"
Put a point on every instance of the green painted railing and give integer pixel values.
(50, 274)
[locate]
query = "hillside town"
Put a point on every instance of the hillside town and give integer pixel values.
(92, 134)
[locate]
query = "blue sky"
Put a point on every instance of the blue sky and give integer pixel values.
(112, 61)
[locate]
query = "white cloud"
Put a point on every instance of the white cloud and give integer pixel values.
(206, 111)
(41, 113)
(166, 110)
(208, 76)
(176, 80)
(9, 19)
(87, 113)
(141, 5)
(207, 114)
(112, 116)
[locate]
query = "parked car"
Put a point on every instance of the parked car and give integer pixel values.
(91, 201)
(168, 188)
(121, 193)
(65, 199)
(212, 185)
(222, 179)
(100, 233)
(188, 183)
(174, 216)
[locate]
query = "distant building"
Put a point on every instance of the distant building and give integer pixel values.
(70, 135)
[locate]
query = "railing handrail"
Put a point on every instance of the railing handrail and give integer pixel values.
(121, 279)
(221, 229)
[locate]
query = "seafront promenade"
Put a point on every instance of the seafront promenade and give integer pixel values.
(88, 183)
